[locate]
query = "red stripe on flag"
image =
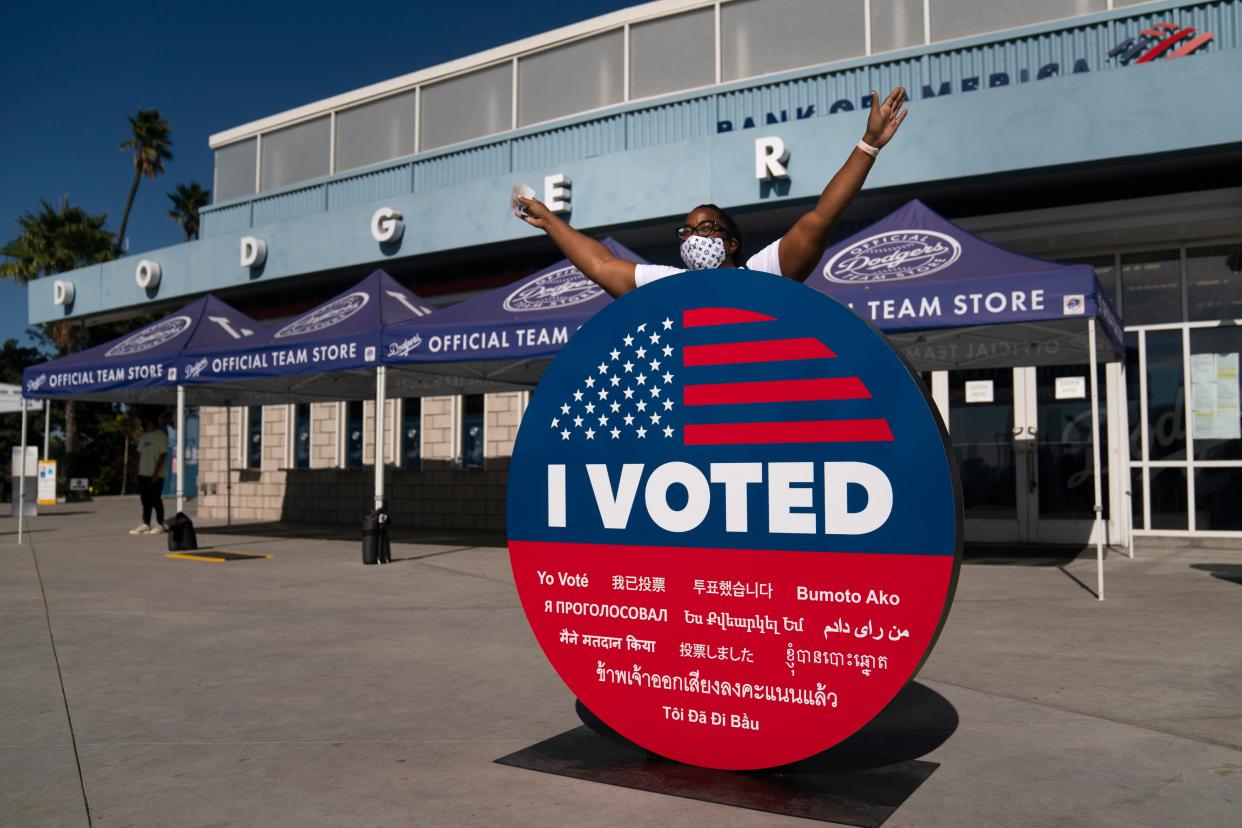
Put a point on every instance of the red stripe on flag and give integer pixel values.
(803, 390)
(807, 431)
(700, 317)
(764, 350)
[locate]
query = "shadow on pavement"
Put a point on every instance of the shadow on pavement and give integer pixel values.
(1013, 554)
(915, 723)
(1221, 571)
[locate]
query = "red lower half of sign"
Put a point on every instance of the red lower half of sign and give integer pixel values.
(726, 658)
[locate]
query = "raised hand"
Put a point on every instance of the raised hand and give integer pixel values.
(534, 212)
(885, 117)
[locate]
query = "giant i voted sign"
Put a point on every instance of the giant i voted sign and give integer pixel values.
(733, 521)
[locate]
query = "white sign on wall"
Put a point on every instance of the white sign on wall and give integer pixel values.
(979, 391)
(1071, 388)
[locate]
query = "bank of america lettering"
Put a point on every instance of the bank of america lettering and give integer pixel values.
(645, 388)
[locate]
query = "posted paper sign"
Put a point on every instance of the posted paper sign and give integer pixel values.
(979, 391)
(733, 521)
(1214, 390)
(1071, 388)
(47, 482)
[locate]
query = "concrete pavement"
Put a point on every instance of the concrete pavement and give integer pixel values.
(306, 689)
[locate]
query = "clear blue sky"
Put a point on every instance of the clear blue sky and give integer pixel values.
(74, 71)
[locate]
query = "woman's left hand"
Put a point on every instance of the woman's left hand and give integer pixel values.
(885, 117)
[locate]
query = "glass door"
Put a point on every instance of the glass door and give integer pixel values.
(1057, 421)
(990, 458)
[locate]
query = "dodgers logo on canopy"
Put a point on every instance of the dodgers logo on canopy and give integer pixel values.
(567, 286)
(733, 521)
(325, 316)
(893, 257)
(150, 337)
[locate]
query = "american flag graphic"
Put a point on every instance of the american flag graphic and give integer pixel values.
(651, 385)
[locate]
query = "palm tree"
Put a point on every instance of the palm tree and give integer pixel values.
(187, 200)
(151, 145)
(54, 240)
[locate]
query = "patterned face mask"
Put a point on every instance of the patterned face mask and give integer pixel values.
(703, 252)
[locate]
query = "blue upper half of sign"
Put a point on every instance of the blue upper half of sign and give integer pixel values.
(782, 408)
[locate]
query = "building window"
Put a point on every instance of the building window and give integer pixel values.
(353, 434)
(959, 18)
(762, 36)
(254, 437)
(374, 132)
(577, 77)
(472, 431)
(411, 432)
(1166, 391)
(896, 24)
(468, 106)
(235, 170)
(301, 436)
(1151, 288)
(1214, 391)
(673, 53)
(296, 153)
(1214, 282)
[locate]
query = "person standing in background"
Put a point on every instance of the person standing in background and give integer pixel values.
(152, 451)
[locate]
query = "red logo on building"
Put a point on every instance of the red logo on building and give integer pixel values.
(1167, 40)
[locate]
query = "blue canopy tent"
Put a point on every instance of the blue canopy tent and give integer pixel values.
(142, 367)
(331, 352)
(950, 300)
(507, 335)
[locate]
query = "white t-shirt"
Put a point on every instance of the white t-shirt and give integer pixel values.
(150, 446)
(766, 260)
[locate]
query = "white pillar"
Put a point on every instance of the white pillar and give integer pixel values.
(1097, 525)
(21, 479)
(179, 468)
(381, 389)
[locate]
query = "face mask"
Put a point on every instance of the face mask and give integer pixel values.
(703, 252)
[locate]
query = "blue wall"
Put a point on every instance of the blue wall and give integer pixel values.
(643, 162)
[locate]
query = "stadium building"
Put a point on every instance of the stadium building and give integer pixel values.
(1092, 131)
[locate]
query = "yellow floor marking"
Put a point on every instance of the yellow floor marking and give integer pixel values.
(208, 559)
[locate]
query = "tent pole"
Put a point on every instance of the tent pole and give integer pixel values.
(1097, 528)
(228, 462)
(381, 382)
(21, 479)
(180, 469)
(47, 428)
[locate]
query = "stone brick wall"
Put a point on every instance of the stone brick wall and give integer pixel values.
(438, 496)
(438, 427)
(503, 414)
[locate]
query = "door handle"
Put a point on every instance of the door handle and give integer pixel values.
(1017, 431)
(1032, 430)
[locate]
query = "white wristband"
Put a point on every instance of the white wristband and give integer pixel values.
(867, 148)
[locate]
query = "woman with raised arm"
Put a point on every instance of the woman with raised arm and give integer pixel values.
(710, 238)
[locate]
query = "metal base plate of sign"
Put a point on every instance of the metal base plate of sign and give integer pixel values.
(864, 797)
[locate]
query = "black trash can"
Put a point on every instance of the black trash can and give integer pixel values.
(375, 547)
